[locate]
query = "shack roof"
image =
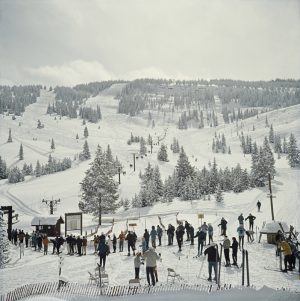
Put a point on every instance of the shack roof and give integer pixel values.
(273, 227)
(49, 220)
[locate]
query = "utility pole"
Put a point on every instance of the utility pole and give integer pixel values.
(271, 196)
(51, 203)
(9, 211)
(119, 170)
(151, 145)
(133, 161)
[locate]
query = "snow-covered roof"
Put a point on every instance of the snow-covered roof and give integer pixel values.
(50, 220)
(273, 227)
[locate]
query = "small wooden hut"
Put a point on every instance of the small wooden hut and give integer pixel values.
(49, 225)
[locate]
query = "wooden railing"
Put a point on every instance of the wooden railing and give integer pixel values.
(70, 290)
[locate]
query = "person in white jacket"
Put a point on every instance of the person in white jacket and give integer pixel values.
(151, 257)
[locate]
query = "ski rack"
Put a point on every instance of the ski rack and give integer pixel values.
(245, 260)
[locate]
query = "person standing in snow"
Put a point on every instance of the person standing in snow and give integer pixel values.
(79, 244)
(137, 264)
(251, 221)
(121, 238)
(226, 246)
(45, 243)
(114, 243)
(170, 233)
(84, 245)
(201, 236)
(192, 233)
(187, 229)
(27, 236)
(223, 225)
(241, 232)
(241, 219)
(287, 252)
(234, 247)
(103, 252)
(151, 257)
(179, 236)
(131, 241)
(212, 258)
(210, 231)
(147, 237)
(258, 204)
(153, 235)
(159, 234)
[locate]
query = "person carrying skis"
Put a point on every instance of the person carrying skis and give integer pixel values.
(241, 219)
(179, 236)
(201, 236)
(241, 232)
(170, 233)
(234, 246)
(258, 204)
(223, 225)
(159, 232)
(251, 220)
(226, 246)
(210, 231)
(212, 258)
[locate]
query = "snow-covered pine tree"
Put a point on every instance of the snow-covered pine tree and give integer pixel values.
(99, 189)
(21, 152)
(3, 169)
(149, 140)
(4, 242)
(85, 154)
(284, 146)
(108, 154)
(188, 190)
(268, 158)
(9, 140)
(219, 194)
(277, 144)
(162, 154)
(183, 170)
(293, 155)
(15, 175)
(52, 144)
(169, 190)
(143, 148)
(157, 181)
(266, 121)
(85, 132)
(213, 177)
(38, 169)
(271, 134)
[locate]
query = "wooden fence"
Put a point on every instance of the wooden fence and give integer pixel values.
(70, 290)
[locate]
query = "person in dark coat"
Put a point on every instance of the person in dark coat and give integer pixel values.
(60, 242)
(179, 236)
(27, 236)
(103, 251)
(84, 245)
(159, 232)
(131, 242)
(79, 245)
(234, 246)
(192, 233)
(251, 221)
(146, 236)
(114, 242)
(212, 258)
(40, 242)
(187, 228)
(258, 204)
(223, 225)
(201, 237)
(170, 233)
(226, 247)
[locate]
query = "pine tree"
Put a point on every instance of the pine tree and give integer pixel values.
(3, 169)
(169, 190)
(21, 153)
(219, 194)
(293, 155)
(38, 169)
(266, 121)
(143, 148)
(99, 189)
(4, 242)
(108, 154)
(162, 154)
(9, 140)
(157, 181)
(85, 132)
(284, 146)
(15, 175)
(85, 154)
(271, 134)
(52, 144)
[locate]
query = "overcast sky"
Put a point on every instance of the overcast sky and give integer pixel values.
(70, 41)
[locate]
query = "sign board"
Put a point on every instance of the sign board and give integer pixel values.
(73, 222)
(132, 225)
(200, 215)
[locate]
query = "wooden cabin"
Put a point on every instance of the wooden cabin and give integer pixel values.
(49, 225)
(271, 229)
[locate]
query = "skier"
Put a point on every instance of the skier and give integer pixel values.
(286, 249)
(258, 204)
(137, 265)
(278, 238)
(121, 238)
(251, 220)
(153, 235)
(187, 228)
(223, 225)
(146, 236)
(212, 258)
(226, 246)
(210, 231)
(249, 234)
(241, 232)
(114, 243)
(179, 236)
(170, 233)
(241, 219)
(159, 234)
(45, 243)
(151, 257)
(131, 240)
(103, 252)
(204, 228)
(234, 247)
(201, 236)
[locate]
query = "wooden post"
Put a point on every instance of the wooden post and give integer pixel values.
(133, 161)
(119, 170)
(271, 197)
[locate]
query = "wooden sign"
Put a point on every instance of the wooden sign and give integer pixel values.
(200, 215)
(132, 225)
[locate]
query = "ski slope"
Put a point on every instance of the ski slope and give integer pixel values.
(115, 130)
